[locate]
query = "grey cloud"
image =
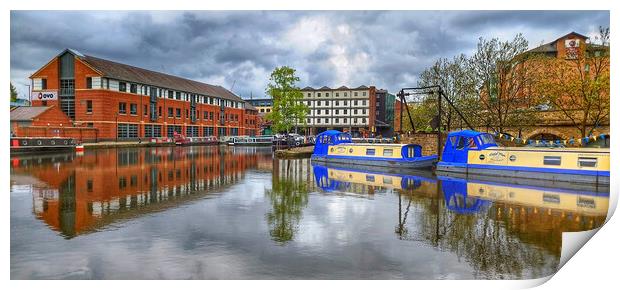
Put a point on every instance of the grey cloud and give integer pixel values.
(242, 47)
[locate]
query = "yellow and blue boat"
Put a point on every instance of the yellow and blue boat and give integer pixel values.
(476, 153)
(336, 147)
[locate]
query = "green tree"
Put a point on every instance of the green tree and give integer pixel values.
(13, 93)
(288, 109)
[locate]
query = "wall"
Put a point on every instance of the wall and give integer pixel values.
(428, 141)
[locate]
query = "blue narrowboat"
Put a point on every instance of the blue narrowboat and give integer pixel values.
(336, 147)
(476, 153)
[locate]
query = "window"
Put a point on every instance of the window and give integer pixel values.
(89, 106)
(309, 94)
(210, 115)
(355, 112)
(122, 86)
(364, 120)
(370, 151)
(318, 94)
(552, 160)
(159, 112)
(388, 152)
(326, 103)
(345, 94)
(178, 113)
(89, 185)
(170, 94)
(127, 131)
(133, 109)
(345, 120)
(133, 88)
(318, 103)
(318, 121)
(89, 83)
(336, 95)
(460, 144)
(178, 96)
(355, 120)
(327, 94)
(170, 112)
(205, 115)
(337, 103)
(355, 103)
(326, 120)
(355, 94)
(336, 111)
(122, 108)
(587, 161)
(345, 111)
(152, 131)
(337, 121)
(145, 110)
(364, 94)
(44, 84)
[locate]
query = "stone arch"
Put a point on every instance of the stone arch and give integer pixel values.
(546, 131)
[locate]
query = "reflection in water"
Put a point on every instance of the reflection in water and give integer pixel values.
(288, 197)
(233, 212)
(88, 192)
(498, 228)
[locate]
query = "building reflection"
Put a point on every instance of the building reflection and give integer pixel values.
(497, 227)
(85, 193)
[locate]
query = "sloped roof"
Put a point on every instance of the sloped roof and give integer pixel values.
(27, 113)
(120, 71)
(551, 46)
(325, 88)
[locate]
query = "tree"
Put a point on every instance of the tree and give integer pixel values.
(13, 93)
(288, 109)
(578, 86)
(501, 79)
(455, 79)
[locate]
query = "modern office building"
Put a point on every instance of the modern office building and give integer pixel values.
(120, 101)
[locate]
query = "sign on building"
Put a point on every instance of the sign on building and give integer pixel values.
(572, 48)
(45, 96)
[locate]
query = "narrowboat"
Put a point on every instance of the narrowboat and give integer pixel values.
(336, 147)
(477, 154)
(38, 144)
(183, 140)
(251, 141)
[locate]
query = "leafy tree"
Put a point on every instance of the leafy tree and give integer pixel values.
(501, 80)
(288, 109)
(13, 93)
(579, 87)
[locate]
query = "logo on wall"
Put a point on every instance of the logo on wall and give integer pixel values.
(45, 96)
(572, 48)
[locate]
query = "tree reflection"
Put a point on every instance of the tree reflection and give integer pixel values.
(288, 196)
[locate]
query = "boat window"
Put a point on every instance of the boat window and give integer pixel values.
(587, 161)
(551, 198)
(552, 160)
(370, 178)
(486, 139)
(586, 202)
(388, 152)
(461, 143)
(370, 151)
(471, 143)
(453, 140)
(387, 180)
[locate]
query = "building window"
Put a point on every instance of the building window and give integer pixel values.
(364, 94)
(127, 131)
(89, 83)
(178, 96)
(133, 88)
(336, 94)
(326, 120)
(337, 103)
(178, 113)
(355, 120)
(205, 115)
(345, 111)
(44, 84)
(318, 121)
(133, 109)
(346, 103)
(152, 131)
(355, 112)
(364, 111)
(145, 110)
(355, 103)
(186, 113)
(211, 116)
(364, 120)
(326, 103)
(318, 103)
(336, 111)
(159, 112)
(122, 86)
(345, 120)
(170, 112)
(345, 94)
(122, 108)
(327, 94)
(89, 106)
(337, 120)
(355, 94)
(364, 103)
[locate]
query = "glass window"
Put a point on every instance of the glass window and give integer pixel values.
(552, 160)
(133, 109)
(388, 152)
(460, 145)
(122, 108)
(370, 151)
(89, 83)
(122, 86)
(587, 161)
(89, 106)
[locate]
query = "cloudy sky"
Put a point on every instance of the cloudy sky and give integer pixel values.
(381, 48)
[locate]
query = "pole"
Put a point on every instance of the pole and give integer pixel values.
(439, 124)
(400, 97)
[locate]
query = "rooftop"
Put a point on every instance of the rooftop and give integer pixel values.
(115, 70)
(27, 113)
(326, 88)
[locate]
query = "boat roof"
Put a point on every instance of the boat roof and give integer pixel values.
(466, 133)
(331, 133)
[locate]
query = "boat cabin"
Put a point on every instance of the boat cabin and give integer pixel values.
(458, 144)
(330, 137)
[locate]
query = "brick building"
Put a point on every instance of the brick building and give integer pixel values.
(127, 102)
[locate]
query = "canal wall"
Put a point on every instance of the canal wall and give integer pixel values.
(428, 141)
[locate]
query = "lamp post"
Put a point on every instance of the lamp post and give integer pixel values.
(116, 115)
(29, 95)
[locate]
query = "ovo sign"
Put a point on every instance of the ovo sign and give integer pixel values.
(44, 96)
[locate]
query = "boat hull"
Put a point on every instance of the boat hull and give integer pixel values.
(568, 176)
(415, 163)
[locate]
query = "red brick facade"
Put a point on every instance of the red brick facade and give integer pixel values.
(98, 109)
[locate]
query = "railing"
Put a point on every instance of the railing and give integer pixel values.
(67, 92)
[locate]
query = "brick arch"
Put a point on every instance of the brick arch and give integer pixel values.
(550, 131)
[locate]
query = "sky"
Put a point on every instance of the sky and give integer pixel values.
(239, 49)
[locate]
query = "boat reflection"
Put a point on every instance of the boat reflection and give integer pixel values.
(486, 223)
(81, 194)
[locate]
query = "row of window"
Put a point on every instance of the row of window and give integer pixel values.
(337, 111)
(337, 120)
(134, 88)
(387, 152)
(128, 131)
(337, 103)
(581, 161)
(355, 94)
(172, 112)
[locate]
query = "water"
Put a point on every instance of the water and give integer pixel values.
(235, 213)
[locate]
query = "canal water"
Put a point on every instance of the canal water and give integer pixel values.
(236, 213)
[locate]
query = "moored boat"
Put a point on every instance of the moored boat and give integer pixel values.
(336, 147)
(477, 153)
(251, 141)
(183, 140)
